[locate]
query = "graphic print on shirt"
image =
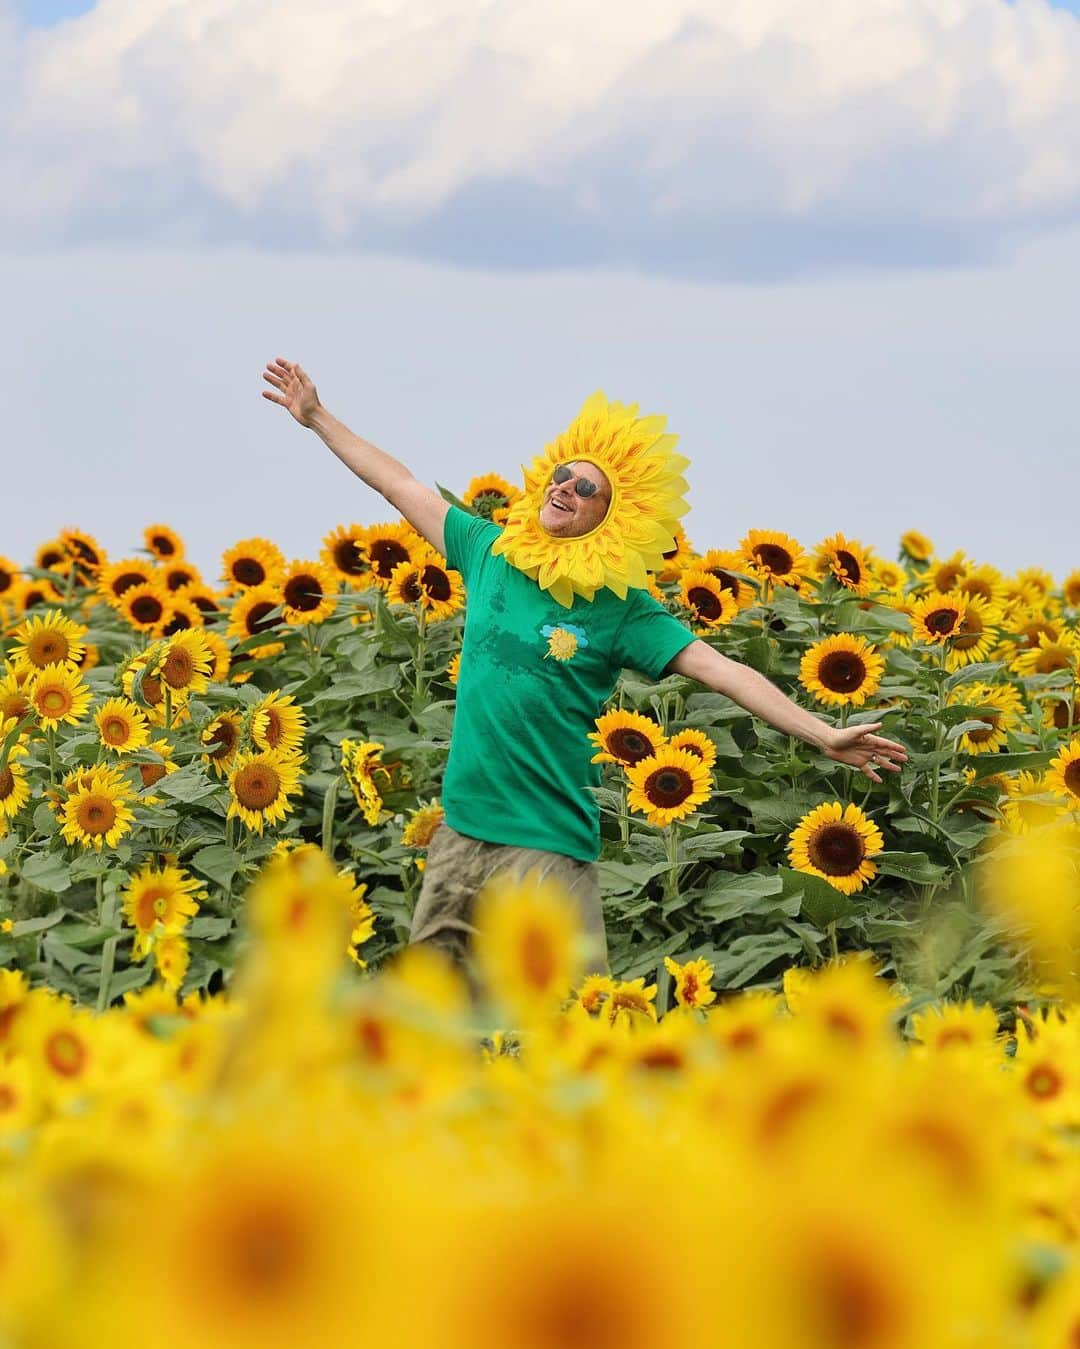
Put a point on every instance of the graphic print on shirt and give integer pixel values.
(564, 640)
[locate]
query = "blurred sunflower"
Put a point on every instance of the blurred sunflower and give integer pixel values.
(97, 811)
(122, 726)
(53, 556)
(888, 576)
(1058, 653)
(844, 559)
(1000, 708)
(260, 786)
(728, 567)
(14, 695)
(205, 599)
(422, 824)
(179, 575)
(159, 899)
(222, 738)
(278, 723)
(947, 1026)
(773, 556)
(842, 670)
(344, 551)
(1027, 625)
(490, 496)
(1070, 587)
(36, 594)
(976, 635)
(119, 577)
(1030, 803)
(936, 617)
(836, 842)
(945, 574)
(453, 669)
(252, 615)
(14, 785)
(675, 559)
(250, 564)
(164, 543)
(85, 551)
(58, 694)
(625, 738)
(668, 786)
(49, 639)
(171, 959)
(9, 574)
(388, 546)
(695, 742)
(1063, 775)
(711, 605)
(1062, 711)
(1036, 578)
(145, 606)
(182, 615)
(986, 583)
(309, 592)
(916, 546)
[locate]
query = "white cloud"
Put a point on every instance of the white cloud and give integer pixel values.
(713, 137)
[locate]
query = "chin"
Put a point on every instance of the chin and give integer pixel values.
(557, 523)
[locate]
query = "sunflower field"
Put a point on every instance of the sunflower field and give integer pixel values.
(837, 1053)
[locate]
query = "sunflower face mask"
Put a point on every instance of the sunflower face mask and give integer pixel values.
(645, 481)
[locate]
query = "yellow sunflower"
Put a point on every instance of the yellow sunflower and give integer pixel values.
(1061, 712)
(644, 473)
(183, 663)
(675, 558)
(182, 615)
(1058, 653)
(122, 726)
(490, 496)
(1063, 775)
(205, 599)
(888, 576)
(151, 772)
(278, 723)
(164, 543)
(36, 594)
(936, 617)
(1070, 587)
(1000, 706)
(945, 574)
(1030, 804)
(14, 695)
(49, 639)
(692, 982)
(87, 554)
(668, 786)
(360, 763)
(843, 670)
(250, 564)
(422, 825)
(147, 690)
(729, 568)
(774, 557)
(252, 615)
(977, 634)
(14, 785)
(1036, 578)
(985, 582)
(344, 551)
(159, 901)
(388, 546)
(309, 592)
(96, 811)
(53, 556)
(441, 587)
(179, 575)
(625, 738)
(58, 694)
(845, 559)
(222, 740)
(453, 669)
(916, 546)
(711, 605)
(145, 606)
(260, 786)
(404, 586)
(119, 577)
(696, 743)
(9, 575)
(171, 959)
(836, 842)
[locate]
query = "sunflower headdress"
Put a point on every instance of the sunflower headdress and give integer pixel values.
(645, 474)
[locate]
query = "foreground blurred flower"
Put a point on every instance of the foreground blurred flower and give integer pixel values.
(669, 785)
(836, 842)
(843, 670)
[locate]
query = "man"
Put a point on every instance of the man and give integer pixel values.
(556, 608)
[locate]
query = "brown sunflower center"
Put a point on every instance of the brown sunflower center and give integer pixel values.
(707, 605)
(50, 558)
(1072, 777)
(223, 736)
(151, 773)
(257, 620)
(942, 621)
(152, 691)
(204, 603)
(178, 668)
(96, 814)
(7, 782)
(115, 731)
(14, 705)
(180, 622)
(147, 609)
(537, 958)
(1044, 1081)
(836, 850)
(248, 571)
(981, 734)
(410, 588)
(629, 746)
(348, 557)
(668, 787)
(54, 702)
(125, 581)
(386, 554)
(7, 579)
(849, 565)
(162, 545)
(775, 559)
(727, 581)
(842, 671)
(179, 577)
(969, 632)
(266, 1252)
(854, 1303)
(65, 1053)
(1065, 714)
(257, 786)
(153, 904)
(436, 583)
(47, 648)
(1054, 658)
(303, 592)
(947, 577)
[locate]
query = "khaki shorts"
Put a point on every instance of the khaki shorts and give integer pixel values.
(458, 868)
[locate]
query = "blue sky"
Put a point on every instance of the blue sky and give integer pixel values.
(42, 13)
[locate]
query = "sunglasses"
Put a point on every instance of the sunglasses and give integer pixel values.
(584, 487)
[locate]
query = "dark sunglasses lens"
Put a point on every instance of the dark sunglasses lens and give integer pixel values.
(561, 474)
(585, 488)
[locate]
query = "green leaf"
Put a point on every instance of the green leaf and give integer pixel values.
(745, 958)
(909, 866)
(821, 902)
(188, 784)
(27, 926)
(209, 928)
(48, 871)
(45, 822)
(735, 896)
(379, 679)
(717, 844)
(985, 764)
(219, 862)
(69, 957)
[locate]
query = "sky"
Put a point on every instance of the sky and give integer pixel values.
(841, 258)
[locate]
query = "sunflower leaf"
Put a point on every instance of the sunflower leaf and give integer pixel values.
(219, 862)
(909, 866)
(48, 871)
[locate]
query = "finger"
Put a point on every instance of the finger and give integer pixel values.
(879, 742)
(280, 360)
(279, 371)
(274, 398)
(868, 769)
(275, 380)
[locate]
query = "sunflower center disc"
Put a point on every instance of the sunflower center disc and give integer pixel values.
(249, 571)
(836, 850)
(705, 602)
(66, 1053)
(1072, 777)
(303, 593)
(842, 672)
(773, 558)
(629, 746)
(7, 783)
(668, 787)
(54, 702)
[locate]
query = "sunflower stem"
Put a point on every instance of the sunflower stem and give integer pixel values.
(54, 767)
(329, 806)
(673, 862)
(421, 643)
(312, 648)
(624, 816)
(831, 929)
(108, 961)
(168, 706)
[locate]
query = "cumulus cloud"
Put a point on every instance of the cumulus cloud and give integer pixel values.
(713, 138)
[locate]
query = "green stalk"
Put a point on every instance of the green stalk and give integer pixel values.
(168, 706)
(54, 767)
(624, 816)
(108, 956)
(421, 645)
(329, 806)
(673, 861)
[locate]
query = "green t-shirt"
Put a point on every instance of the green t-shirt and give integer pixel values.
(519, 765)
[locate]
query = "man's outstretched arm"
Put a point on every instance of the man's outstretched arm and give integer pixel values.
(854, 745)
(292, 389)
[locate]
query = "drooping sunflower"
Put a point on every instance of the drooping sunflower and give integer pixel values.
(260, 786)
(421, 826)
(222, 738)
(675, 558)
(159, 900)
(441, 587)
(711, 605)
(625, 738)
(1060, 653)
(729, 568)
(14, 785)
(183, 663)
(164, 543)
(645, 477)
(842, 670)
(48, 639)
(152, 771)
(976, 635)
(58, 694)
(916, 546)
(97, 812)
(668, 786)
(309, 592)
(122, 726)
(145, 606)
(252, 615)
(936, 617)
(774, 557)
(836, 842)
(1063, 775)
(1000, 708)
(490, 496)
(251, 563)
(695, 742)
(183, 615)
(344, 551)
(278, 723)
(119, 577)
(360, 764)
(844, 559)
(388, 546)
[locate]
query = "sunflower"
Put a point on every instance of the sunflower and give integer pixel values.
(58, 694)
(9, 575)
(205, 599)
(145, 606)
(692, 982)
(179, 575)
(453, 669)
(278, 723)
(360, 763)
(182, 615)
(1063, 775)
(260, 786)
(675, 558)
(159, 900)
(1036, 578)
(945, 574)
(1061, 712)
(344, 551)
(119, 577)
(976, 635)
(388, 546)
(711, 605)
(1070, 587)
(222, 740)
(250, 564)
(164, 543)
(171, 959)
(490, 496)
(85, 551)
(937, 617)
(836, 843)
(916, 546)
(984, 582)
(14, 786)
(53, 556)
(422, 825)
(625, 738)
(1028, 625)
(1031, 803)
(845, 559)
(888, 576)
(668, 785)
(122, 725)
(14, 695)
(631, 998)
(1000, 708)
(144, 688)
(729, 567)
(309, 592)
(441, 588)
(48, 640)
(1059, 653)
(183, 663)
(696, 743)
(774, 557)
(404, 587)
(96, 811)
(252, 615)
(639, 462)
(842, 670)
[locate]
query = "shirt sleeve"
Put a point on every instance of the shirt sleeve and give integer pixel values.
(468, 540)
(648, 637)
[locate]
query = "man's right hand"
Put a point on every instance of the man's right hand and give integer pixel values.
(294, 390)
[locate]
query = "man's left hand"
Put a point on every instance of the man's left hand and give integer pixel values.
(862, 749)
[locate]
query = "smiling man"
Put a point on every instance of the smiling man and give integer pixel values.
(557, 607)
